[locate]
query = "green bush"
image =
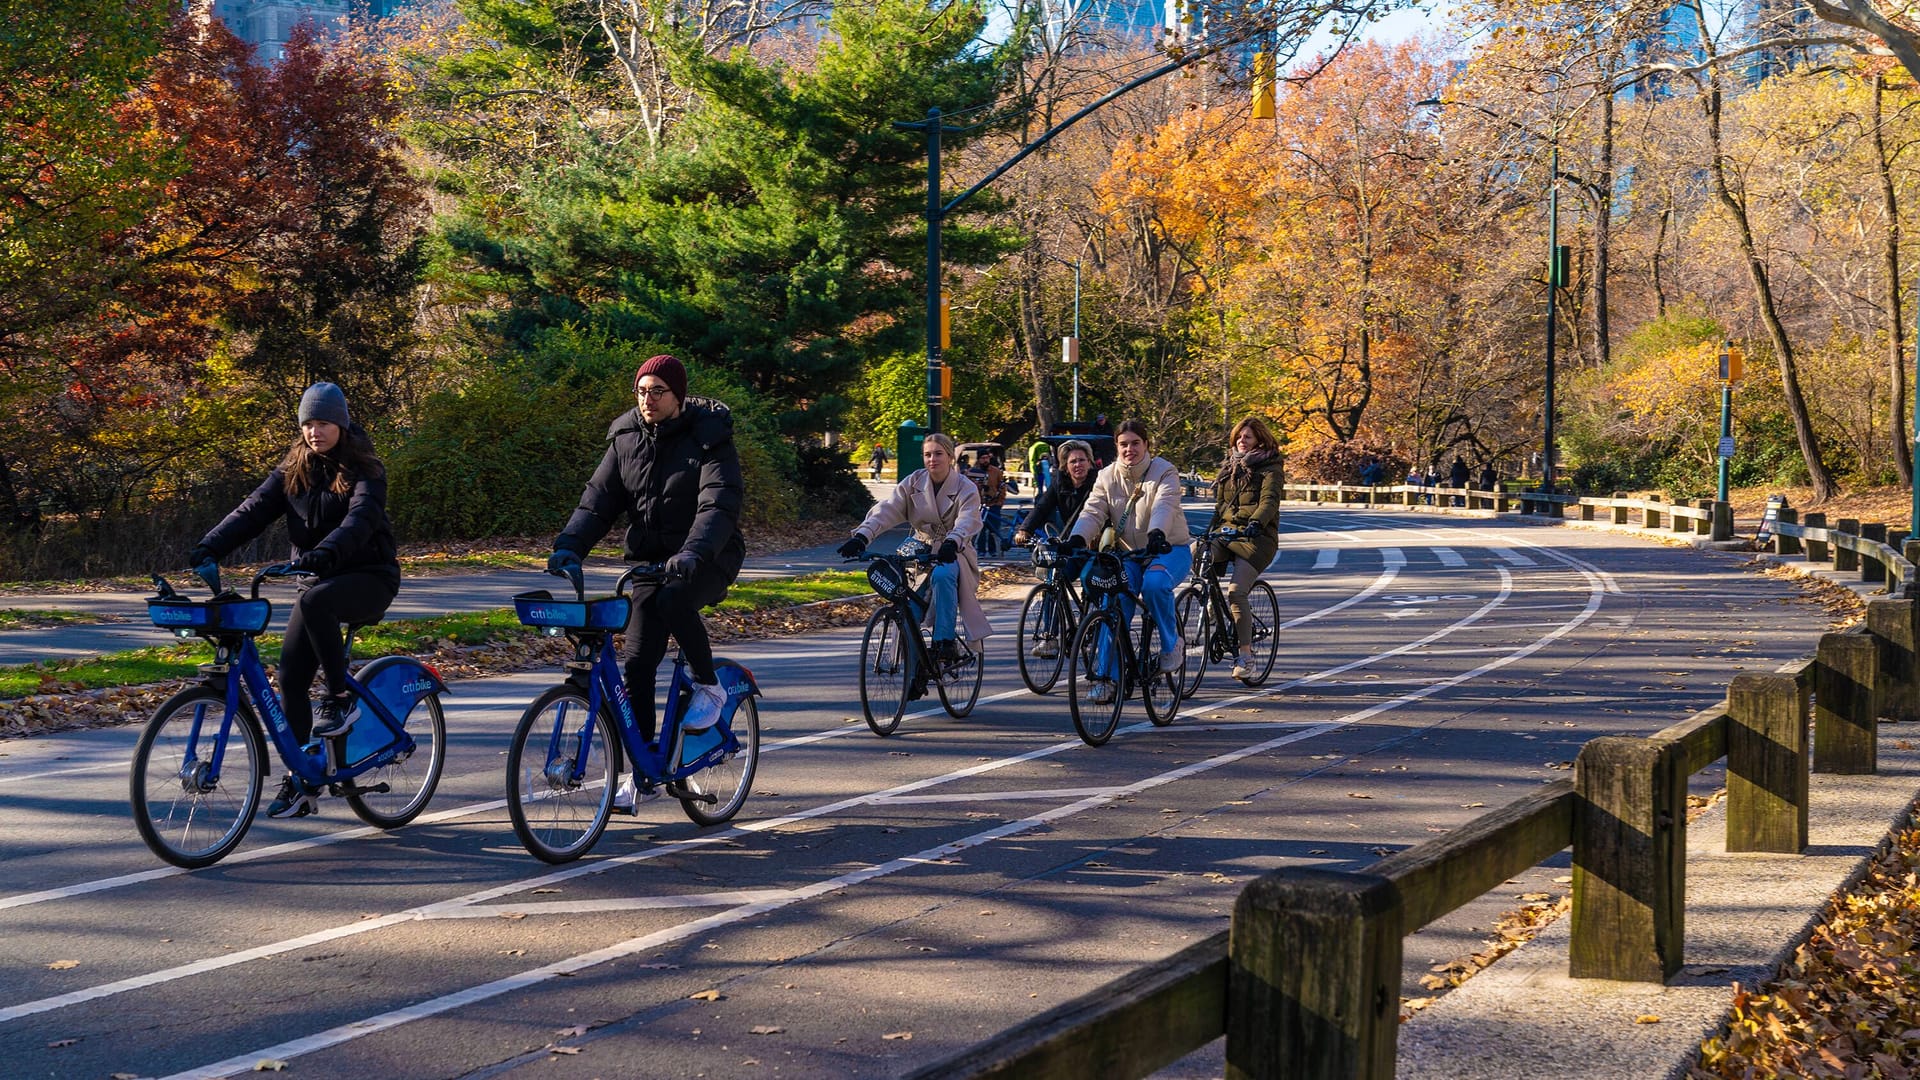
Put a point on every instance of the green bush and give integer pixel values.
(508, 453)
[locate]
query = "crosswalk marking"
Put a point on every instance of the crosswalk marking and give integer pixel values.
(1449, 557)
(1327, 558)
(1513, 557)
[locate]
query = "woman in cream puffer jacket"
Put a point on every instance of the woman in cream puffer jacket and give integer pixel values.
(1139, 496)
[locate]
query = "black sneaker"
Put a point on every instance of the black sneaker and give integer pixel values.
(334, 716)
(294, 800)
(946, 653)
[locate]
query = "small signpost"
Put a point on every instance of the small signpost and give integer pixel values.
(1770, 519)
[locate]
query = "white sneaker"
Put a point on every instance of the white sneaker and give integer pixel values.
(627, 796)
(703, 711)
(1174, 657)
(1047, 650)
(1101, 694)
(1243, 666)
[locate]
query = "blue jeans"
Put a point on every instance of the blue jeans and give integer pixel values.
(946, 599)
(1155, 583)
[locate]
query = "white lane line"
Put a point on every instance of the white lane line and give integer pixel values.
(381, 1022)
(1449, 557)
(1003, 796)
(617, 903)
(1512, 556)
(1327, 559)
(1391, 563)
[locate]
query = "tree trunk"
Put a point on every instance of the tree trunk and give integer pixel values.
(1824, 487)
(1036, 342)
(1896, 321)
(1603, 237)
(1659, 283)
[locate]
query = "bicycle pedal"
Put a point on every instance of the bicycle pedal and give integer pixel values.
(351, 790)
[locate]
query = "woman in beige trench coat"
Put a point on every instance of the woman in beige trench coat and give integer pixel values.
(942, 507)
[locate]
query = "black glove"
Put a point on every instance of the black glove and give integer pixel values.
(200, 556)
(562, 561)
(854, 547)
(1157, 543)
(316, 562)
(1250, 531)
(682, 565)
(1073, 543)
(949, 551)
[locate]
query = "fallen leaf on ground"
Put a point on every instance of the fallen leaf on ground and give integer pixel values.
(898, 1035)
(61, 1044)
(707, 995)
(1647, 1019)
(563, 1049)
(63, 965)
(766, 1029)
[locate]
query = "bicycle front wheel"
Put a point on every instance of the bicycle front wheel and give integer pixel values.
(1159, 689)
(1190, 614)
(186, 814)
(1046, 632)
(557, 818)
(1265, 610)
(409, 780)
(1095, 692)
(728, 783)
(886, 670)
(960, 689)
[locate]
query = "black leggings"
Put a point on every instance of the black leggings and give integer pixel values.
(313, 639)
(671, 609)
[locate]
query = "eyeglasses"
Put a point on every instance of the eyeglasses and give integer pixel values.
(653, 393)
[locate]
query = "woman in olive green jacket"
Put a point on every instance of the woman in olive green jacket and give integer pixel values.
(1246, 496)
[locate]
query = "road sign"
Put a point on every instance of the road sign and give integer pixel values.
(1726, 446)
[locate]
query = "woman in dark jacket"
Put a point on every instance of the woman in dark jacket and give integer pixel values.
(332, 490)
(1055, 507)
(1246, 495)
(671, 467)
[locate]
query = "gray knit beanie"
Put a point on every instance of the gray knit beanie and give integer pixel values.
(325, 401)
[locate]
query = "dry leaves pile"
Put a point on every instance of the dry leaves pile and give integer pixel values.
(1513, 929)
(521, 651)
(1844, 1006)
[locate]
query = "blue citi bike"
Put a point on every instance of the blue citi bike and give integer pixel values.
(200, 763)
(575, 740)
(1107, 662)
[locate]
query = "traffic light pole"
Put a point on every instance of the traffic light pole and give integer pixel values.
(937, 213)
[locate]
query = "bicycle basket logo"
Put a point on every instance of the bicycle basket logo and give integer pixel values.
(1105, 576)
(885, 579)
(417, 686)
(171, 616)
(547, 613)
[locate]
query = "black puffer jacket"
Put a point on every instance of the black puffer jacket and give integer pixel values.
(353, 527)
(679, 485)
(1057, 506)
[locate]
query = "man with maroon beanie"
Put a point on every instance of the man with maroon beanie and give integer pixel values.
(672, 469)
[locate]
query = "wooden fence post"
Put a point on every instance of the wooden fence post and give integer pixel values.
(1677, 523)
(1894, 626)
(1871, 568)
(1845, 558)
(1817, 550)
(1703, 526)
(1766, 764)
(1782, 543)
(1629, 862)
(1501, 504)
(1845, 733)
(1314, 977)
(1586, 510)
(1650, 514)
(1722, 521)
(1619, 508)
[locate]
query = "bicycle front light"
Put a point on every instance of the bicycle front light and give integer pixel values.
(182, 633)
(550, 631)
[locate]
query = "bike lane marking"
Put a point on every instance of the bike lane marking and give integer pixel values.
(422, 1010)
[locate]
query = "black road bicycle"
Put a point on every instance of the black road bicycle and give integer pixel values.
(1049, 617)
(896, 659)
(1109, 662)
(1206, 623)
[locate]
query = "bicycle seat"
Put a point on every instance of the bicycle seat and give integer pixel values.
(356, 627)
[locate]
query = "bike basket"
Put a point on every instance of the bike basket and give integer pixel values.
(539, 608)
(1106, 575)
(887, 580)
(245, 616)
(1045, 557)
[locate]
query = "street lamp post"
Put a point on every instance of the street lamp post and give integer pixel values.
(1070, 349)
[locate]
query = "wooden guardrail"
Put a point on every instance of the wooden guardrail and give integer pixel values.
(1306, 981)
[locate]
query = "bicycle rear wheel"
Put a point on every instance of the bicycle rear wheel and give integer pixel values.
(959, 690)
(557, 818)
(1046, 627)
(185, 816)
(409, 780)
(1265, 609)
(1095, 719)
(886, 670)
(1190, 613)
(1159, 689)
(731, 781)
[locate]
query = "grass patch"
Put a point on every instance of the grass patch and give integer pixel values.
(785, 592)
(130, 668)
(35, 618)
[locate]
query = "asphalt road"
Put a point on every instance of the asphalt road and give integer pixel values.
(879, 903)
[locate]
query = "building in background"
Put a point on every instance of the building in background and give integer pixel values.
(1781, 21)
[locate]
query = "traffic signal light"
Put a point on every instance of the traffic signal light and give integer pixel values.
(946, 382)
(946, 324)
(1733, 363)
(1262, 86)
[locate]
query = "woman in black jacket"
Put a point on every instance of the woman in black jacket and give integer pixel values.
(332, 490)
(672, 469)
(1056, 507)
